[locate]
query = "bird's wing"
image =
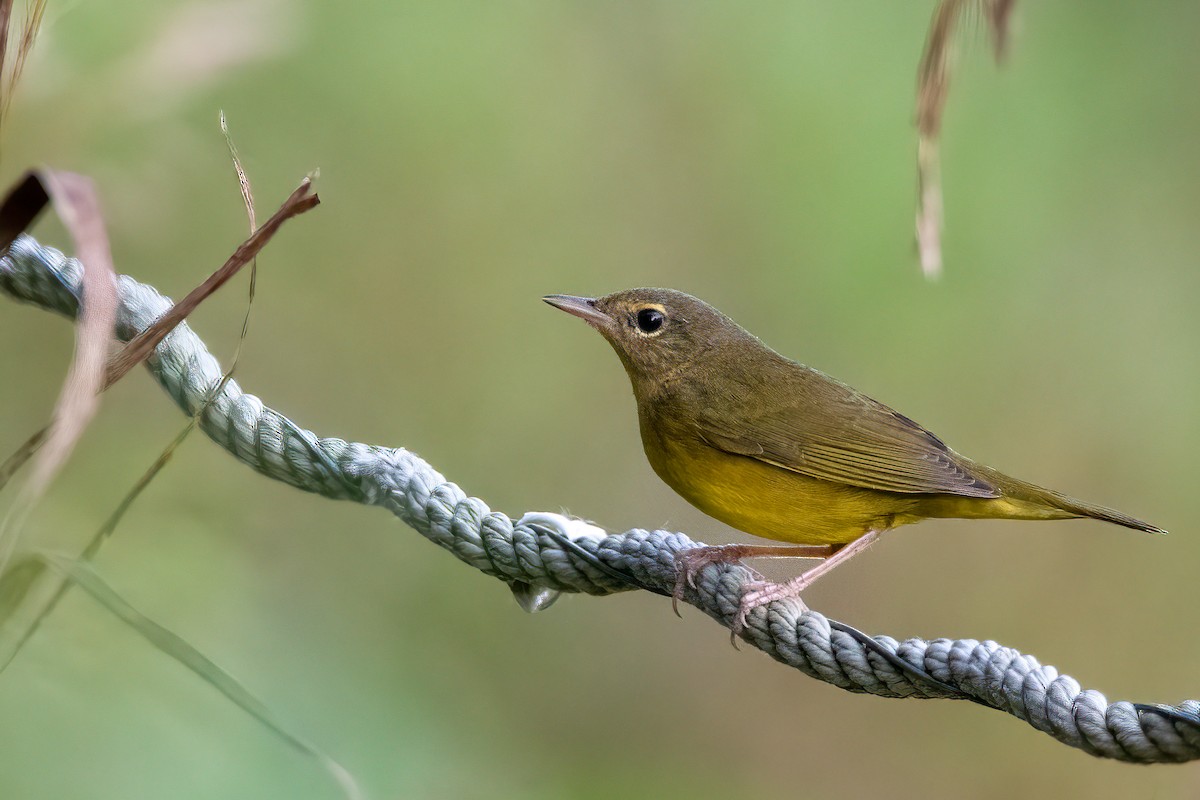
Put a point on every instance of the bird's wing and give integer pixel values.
(825, 429)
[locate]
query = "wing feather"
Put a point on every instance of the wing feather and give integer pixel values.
(827, 430)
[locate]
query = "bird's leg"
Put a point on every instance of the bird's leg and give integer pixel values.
(763, 593)
(688, 563)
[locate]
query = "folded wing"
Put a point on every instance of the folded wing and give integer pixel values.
(827, 430)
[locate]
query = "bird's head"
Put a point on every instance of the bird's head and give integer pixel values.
(657, 333)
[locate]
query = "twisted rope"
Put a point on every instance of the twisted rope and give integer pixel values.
(542, 554)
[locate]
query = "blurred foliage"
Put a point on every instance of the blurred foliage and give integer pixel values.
(474, 156)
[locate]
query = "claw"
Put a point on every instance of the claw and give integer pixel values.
(736, 627)
(677, 593)
(739, 619)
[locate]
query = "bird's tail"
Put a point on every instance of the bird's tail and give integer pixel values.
(1049, 504)
(1028, 501)
(1082, 509)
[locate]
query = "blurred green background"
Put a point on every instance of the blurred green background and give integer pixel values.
(474, 156)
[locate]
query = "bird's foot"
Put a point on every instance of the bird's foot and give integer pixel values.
(689, 563)
(761, 593)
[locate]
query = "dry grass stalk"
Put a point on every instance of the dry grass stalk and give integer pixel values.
(933, 86)
(75, 200)
(10, 73)
(111, 523)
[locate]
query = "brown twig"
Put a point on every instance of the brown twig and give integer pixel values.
(301, 200)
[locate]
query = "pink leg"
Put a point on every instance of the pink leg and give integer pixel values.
(764, 593)
(688, 563)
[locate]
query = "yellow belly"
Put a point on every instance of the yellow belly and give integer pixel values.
(772, 502)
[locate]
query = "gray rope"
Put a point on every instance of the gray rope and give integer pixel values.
(543, 554)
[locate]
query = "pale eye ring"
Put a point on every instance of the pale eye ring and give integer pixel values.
(649, 320)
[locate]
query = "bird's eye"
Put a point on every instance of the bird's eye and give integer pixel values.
(649, 320)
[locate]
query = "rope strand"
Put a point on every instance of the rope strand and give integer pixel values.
(542, 554)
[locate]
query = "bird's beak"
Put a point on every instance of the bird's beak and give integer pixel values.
(582, 307)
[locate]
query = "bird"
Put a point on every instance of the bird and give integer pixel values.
(782, 451)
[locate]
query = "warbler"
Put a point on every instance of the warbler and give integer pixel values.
(782, 451)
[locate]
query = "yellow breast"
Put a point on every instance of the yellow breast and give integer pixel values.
(770, 501)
